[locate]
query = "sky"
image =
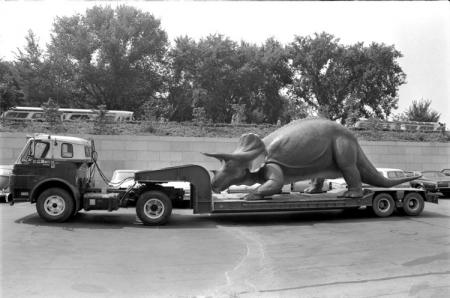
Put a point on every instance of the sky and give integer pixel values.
(419, 30)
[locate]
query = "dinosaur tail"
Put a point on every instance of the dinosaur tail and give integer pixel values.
(370, 175)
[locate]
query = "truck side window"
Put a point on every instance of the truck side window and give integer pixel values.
(66, 150)
(41, 149)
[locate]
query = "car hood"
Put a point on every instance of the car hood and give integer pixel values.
(5, 173)
(437, 179)
(6, 169)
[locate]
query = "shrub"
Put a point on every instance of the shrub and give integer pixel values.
(52, 115)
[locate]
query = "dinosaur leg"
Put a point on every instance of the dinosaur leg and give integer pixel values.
(274, 183)
(316, 186)
(353, 179)
(346, 156)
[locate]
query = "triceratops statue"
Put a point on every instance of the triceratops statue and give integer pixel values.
(301, 150)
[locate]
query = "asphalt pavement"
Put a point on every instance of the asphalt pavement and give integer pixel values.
(294, 254)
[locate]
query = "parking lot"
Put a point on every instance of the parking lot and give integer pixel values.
(297, 254)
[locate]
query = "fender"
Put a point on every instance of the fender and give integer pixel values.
(73, 190)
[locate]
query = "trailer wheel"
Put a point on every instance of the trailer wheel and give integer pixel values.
(154, 208)
(55, 205)
(413, 204)
(383, 205)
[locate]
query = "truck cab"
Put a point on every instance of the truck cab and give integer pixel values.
(55, 172)
(49, 161)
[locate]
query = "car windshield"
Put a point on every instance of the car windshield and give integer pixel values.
(433, 174)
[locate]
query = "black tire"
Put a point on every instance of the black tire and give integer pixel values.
(154, 208)
(55, 205)
(413, 204)
(383, 205)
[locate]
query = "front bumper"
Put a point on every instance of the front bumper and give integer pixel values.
(5, 195)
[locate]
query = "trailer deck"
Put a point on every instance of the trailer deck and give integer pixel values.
(224, 203)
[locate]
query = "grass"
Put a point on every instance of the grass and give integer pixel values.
(189, 129)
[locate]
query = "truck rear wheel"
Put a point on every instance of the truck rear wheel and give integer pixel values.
(55, 205)
(413, 204)
(154, 208)
(383, 205)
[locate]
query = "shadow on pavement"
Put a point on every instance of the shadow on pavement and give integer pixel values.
(84, 220)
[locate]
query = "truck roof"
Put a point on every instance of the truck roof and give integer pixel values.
(73, 140)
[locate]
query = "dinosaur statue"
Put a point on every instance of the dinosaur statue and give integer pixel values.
(303, 149)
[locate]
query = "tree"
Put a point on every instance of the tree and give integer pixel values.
(52, 114)
(238, 114)
(116, 56)
(10, 92)
(100, 119)
(33, 72)
(204, 75)
(420, 111)
(218, 73)
(338, 81)
(293, 110)
(263, 73)
(42, 75)
(155, 109)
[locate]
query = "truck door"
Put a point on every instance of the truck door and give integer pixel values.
(32, 166)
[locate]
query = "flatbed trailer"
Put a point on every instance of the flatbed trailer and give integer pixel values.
(383, 201)
(54, 172)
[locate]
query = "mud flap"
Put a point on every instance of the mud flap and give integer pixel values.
(432, 197)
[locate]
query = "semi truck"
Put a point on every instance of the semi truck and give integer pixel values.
(57, 173)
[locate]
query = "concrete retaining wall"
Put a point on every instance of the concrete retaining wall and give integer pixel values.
(151, 152)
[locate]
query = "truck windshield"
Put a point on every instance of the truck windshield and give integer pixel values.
(33, 149)
(25, 152)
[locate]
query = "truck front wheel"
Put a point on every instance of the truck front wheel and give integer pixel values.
(55, 205)
(383, 205)
(154, 208)
(413, 204)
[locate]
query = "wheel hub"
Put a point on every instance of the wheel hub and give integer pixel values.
(54, 205)
(154, 208)
(413, 204)
(384, 205)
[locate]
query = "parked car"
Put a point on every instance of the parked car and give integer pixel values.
(446, 172)
(386, 172)
(125, 178)
(396, 173)
(5, 173)
(412, 173)
(433, 181)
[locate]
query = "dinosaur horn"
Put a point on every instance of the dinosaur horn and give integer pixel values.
(220, 156)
